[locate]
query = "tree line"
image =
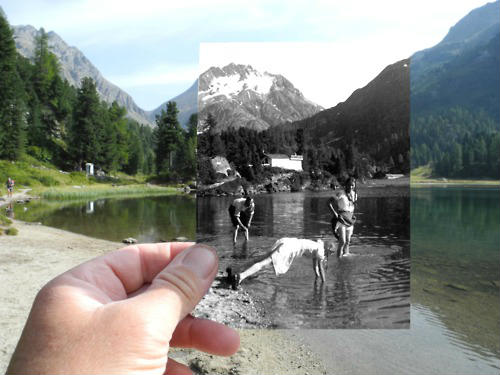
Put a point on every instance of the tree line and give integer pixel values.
(43, 116)
(457, 143)
(245, 150)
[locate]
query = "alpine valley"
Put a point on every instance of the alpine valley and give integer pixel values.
(75, 66)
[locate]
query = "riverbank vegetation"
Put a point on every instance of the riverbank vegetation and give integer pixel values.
(106, 191)
(424, 175)
(49, 129)
(5, 226)
(46, 181)
(456, 144)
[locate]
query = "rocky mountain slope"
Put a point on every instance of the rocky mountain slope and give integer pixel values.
(187, 104)
(463, 70)
(473, 30)
(75, 66)
(240, 96)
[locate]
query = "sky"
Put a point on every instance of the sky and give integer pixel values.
(326, 48)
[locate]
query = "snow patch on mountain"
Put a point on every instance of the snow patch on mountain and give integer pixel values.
(231, 86)
(240, 96)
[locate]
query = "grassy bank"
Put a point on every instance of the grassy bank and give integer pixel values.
(48, 182)
(423, 175)
(78, 192)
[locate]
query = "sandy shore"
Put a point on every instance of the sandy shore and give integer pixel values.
(38, 254)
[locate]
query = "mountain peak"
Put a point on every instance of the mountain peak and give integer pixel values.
(475, 29)
(473, 24)
(240, 96)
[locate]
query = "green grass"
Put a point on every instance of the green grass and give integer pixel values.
(423, 175)
(48, 182)
(31, 173)
(11, 231)
(105, 190)
(4, 220)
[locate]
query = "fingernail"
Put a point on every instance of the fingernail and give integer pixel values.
(201, 259)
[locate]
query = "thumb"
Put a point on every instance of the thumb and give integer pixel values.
(178, 288)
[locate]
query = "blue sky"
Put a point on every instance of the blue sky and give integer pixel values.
(151, 48)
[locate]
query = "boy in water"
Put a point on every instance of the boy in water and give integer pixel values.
(281, 256)
(241, 213)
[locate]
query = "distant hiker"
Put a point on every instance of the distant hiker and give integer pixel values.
(342, 207)
(10, 186)
(241, 213)
(281, 256)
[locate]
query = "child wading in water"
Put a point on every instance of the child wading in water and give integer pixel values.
(241, 213)
(342, 207)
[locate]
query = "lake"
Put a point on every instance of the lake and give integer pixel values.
(147, 219)
(370, 289)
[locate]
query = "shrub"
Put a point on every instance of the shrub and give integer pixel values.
(11, 231)
(4, 220)
(47, 180)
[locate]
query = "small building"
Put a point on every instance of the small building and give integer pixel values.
(292, 162)
(89, 169)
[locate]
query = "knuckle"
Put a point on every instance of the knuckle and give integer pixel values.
(181, 281)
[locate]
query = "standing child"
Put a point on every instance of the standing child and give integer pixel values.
(241, 213)
(342, 207)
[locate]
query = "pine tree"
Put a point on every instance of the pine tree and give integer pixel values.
(86, 127)
(12, 122)
(46, 67)
(114, 141)
(168, 140)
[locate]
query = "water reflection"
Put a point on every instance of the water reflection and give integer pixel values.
(455, 256)
(148, 219)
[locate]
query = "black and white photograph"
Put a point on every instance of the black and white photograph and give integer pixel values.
(303, 184)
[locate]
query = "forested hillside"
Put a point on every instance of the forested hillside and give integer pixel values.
(455, 100)
(42, 116)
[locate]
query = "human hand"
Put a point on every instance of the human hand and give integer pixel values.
(121, 312)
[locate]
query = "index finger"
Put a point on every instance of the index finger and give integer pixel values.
(124, 271)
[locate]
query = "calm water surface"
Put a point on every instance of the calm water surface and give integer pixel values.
(371, 289)
(455, 235)
(147, 219)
